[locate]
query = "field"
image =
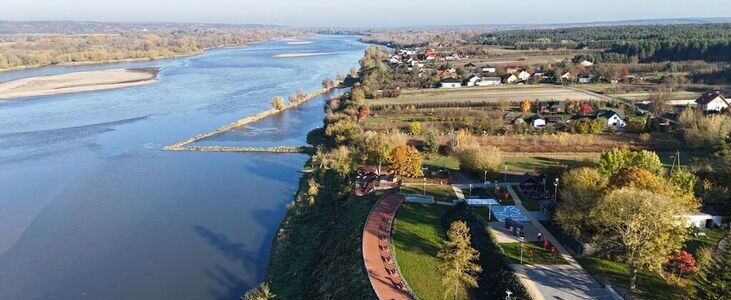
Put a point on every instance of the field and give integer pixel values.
(503, 56)
(512, 93)
(416, 237)
(639, 92)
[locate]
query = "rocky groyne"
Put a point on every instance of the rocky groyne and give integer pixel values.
(184, 145)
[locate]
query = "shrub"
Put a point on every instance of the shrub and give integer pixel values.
(278, 103)
(476, 159)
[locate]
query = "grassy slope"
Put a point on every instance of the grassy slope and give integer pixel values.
(321, 258)
(533, 254)
(416, 237)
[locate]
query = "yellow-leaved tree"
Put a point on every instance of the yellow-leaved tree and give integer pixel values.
(406, 161)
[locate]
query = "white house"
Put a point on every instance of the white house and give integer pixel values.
(708, 216)
(472, 80)
(487, 81)
(613, 119)
(586, 63)
(523, 75)
(488, 69)
(511, 79)
(584, 80)
(451, 83)
(712, 101)
(537, 121)
(395, 59)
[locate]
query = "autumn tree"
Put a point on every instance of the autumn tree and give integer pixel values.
(415, 128)
(328, 83)
(260, 292)
(458, 267)
(476, 159)
(684, 179)
(406, 161)
(613, 160)
(681, 263)
(704, 131)
(580, 190)
(640, 226)
(278, 103)
(525, 105)
(375, 148)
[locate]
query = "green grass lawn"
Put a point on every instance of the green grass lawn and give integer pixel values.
(533, 254)
(441, 161)
(440, 192)
(649, 285)
(416, 237)
(534, 161)
(485, 214)
(713, 236)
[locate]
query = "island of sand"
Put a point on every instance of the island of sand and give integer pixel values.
(76, 82)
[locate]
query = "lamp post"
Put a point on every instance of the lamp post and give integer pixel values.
(505, 179)
(555, 190)
(424, 186)
(470, 190)
(521, 249)
(508, 293)
(484, 181)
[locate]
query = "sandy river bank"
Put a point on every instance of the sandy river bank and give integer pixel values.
(76, 82)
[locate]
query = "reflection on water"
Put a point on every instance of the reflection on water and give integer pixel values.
(91, 208)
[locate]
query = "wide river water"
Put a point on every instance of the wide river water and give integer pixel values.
(91, 208)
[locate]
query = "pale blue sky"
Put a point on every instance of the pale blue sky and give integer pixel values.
(363, 12)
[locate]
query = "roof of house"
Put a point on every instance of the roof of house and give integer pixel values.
(470, 65)
(553, 105)
(490, 78)
(708, 97)
(535, 117)
(450, 80)
(608, 113)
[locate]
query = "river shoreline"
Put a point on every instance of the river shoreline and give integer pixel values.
(50, 85)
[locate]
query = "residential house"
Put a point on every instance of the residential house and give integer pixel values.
(470, 66)
(566, 76)
(613, 118)
(489, 69)
(552, 107)
(712, 102)
(586, 63)
(395, 60)
(472, 80)
(708, 216)
(451, 83)
(585, 79)
(537, 121)
(449, 73)
(523, 75)
(487, 81)
(510, 79)
(511, 69)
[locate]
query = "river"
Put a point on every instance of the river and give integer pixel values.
(92, 208)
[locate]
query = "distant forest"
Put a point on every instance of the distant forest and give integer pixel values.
(709, 42)
(31, 49)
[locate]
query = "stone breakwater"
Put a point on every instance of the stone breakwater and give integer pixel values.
(277, 149)
(184, 144)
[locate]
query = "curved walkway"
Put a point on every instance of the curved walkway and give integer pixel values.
(377, 254)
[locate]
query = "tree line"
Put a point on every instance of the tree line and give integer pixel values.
(41, 50)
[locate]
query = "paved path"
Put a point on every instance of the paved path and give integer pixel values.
(382, 270)
(557, 281)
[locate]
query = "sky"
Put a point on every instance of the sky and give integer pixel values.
(378, 13)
